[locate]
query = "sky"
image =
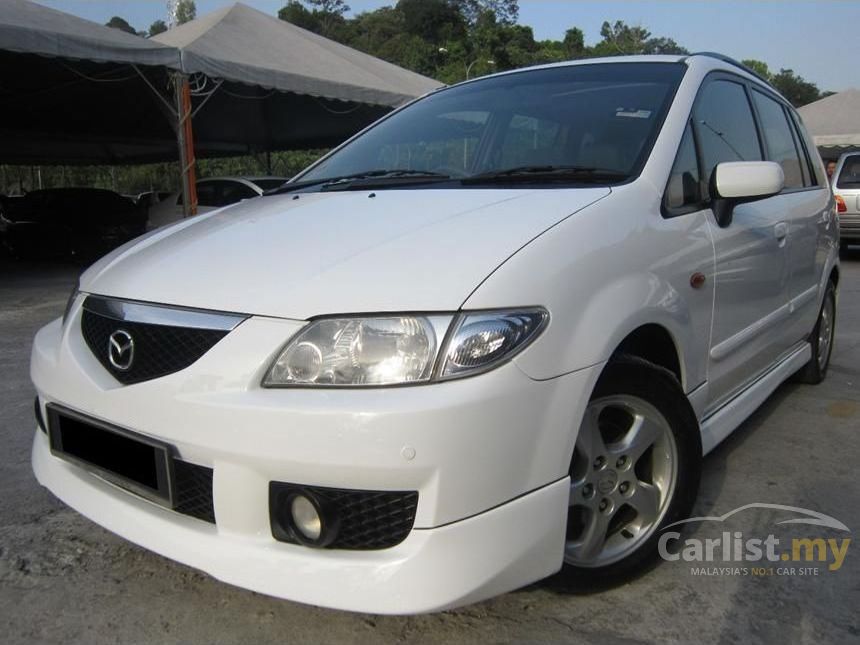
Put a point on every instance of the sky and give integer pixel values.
(820, 40)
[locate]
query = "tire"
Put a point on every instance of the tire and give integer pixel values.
(661, 474)
(822, 343)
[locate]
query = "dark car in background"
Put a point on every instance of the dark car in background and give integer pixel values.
(78, 223)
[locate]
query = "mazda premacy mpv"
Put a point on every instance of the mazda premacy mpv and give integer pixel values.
(486, 340)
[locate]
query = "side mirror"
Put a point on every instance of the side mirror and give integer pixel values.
(738, 182)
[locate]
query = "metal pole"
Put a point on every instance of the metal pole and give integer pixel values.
(185, 141)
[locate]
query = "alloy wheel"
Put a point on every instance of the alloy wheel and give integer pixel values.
(623, 476)
(825, 332)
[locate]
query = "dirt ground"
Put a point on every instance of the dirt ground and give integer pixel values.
(64, 579)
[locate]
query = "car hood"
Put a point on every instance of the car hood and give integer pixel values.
(298, 256)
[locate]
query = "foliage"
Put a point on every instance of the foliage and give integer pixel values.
(453, 39)
(132, 180)
(796, 89)
(325, 17)
(186, 11)
(120, 23)
(158, 27)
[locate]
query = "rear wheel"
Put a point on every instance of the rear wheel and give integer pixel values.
(821, 340)
(635, 468)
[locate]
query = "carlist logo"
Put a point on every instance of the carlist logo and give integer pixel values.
(737, 553)
(121, 350)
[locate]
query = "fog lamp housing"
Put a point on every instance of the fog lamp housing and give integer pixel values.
(298, 515)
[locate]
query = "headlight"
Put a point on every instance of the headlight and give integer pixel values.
(483, 340)
(360, 351)
(402, 349)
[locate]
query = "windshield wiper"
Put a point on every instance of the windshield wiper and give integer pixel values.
(344, 182)
(545, 173)
(381, 178)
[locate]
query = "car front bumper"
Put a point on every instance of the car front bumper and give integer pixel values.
(487, 455)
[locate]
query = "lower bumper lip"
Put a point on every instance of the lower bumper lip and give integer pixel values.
(414, 577)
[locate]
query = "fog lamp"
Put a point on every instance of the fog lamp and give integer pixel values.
(306, 518)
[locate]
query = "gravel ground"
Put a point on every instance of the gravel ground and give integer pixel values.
(64, 579)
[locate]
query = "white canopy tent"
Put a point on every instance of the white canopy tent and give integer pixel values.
(834, 123)
(77, 92)
(244, 45)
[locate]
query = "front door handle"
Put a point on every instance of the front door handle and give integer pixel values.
(780, 231)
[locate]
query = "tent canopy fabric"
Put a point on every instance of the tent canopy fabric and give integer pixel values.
(27, 27)
(241, 44)
(834, 122)
(70, 92)
(77, 92)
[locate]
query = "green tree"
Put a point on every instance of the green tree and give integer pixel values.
(437, 21)
(505, 12)
(297, 14)
(574, 43)
(797, 90)
(758, 67)
(186, 11)
(120, 23)
(338, 7)
(663, 46)
(158, 27)
(620, 39)
(325, 17)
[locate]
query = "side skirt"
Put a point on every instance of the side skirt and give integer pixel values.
(722, 422)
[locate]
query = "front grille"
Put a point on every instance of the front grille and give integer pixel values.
(368, 519)
(158, 349)
(193, 491)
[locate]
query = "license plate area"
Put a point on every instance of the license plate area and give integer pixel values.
(132, 461)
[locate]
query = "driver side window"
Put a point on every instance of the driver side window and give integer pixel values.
(725, 126)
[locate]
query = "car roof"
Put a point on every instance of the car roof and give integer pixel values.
(708, 60)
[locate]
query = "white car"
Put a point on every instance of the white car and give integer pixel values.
(846, 187)
(212, 193)
(486, 340)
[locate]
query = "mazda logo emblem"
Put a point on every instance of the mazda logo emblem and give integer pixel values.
(121, 350)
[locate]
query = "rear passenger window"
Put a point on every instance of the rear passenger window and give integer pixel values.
(683, 192)
(815, 171)
(725, 125)
(778, 139)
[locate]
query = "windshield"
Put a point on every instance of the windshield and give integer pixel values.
(599, 117)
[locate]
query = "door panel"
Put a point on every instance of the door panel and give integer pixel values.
(750, 298)
(810, 229)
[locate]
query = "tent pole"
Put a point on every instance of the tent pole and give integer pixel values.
(185, 141)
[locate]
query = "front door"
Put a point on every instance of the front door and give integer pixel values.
(751, 281)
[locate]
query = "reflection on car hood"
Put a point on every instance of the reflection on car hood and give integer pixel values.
(322, 253)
